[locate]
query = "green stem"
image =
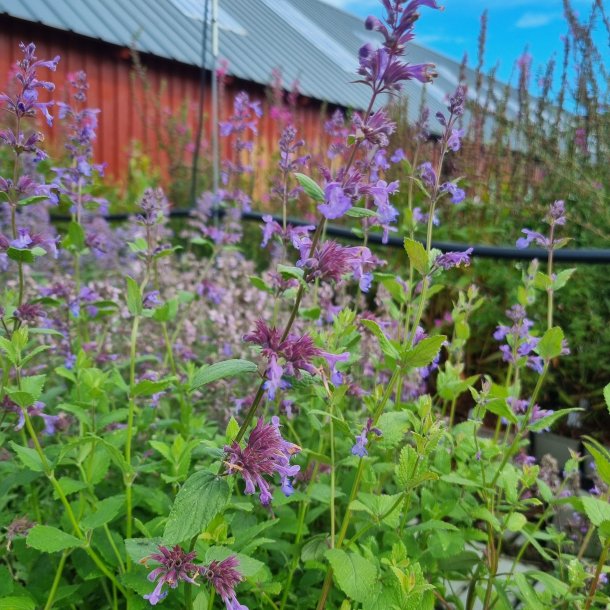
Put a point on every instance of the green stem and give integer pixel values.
(598, 571)
(56, 580)
(128, 442)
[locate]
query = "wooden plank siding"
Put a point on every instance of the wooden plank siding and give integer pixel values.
(134, 112)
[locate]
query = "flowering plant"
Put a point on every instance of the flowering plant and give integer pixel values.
(301, 438)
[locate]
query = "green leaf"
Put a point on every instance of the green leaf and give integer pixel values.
(75, 238)
(134, 297)
(17, 603)
(105, 511)
(516, 522)
(549, 420)
(200, 499)
(386, 346)
(310, 187)
(424, 352)
(597, 510)
(601, 456)
(356, 212)
(232, 430)
(417, 255)
(147, 387)
(138, 548)
(499, 407)
(355, 575)
(31, 200)
(51, 540)
(550, 345)
(562, 278)
(260, 283)
(607, 396)
(25, 255)
(287, 272)
(28, 457)
(219, 370)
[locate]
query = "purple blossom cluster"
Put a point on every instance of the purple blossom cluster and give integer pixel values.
(554, 217)
(265, 454)
(176, 566)
(520, 344)
(362, 440)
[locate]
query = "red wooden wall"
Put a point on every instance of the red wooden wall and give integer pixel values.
(128, 112)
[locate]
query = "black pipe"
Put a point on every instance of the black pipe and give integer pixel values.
(593, 257)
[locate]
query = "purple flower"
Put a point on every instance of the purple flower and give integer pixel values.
(523, 459)
(336, 202)
(398, 156)
(295, 351)
(453, 259)
(427, 173)
(375, 129)
(455, 139)
(457, 194)
(151, 299)
(176, 566)
(25, 102)
(224, 578)
(362, 440)
(333, 359)
(531, 236)
(265, 454)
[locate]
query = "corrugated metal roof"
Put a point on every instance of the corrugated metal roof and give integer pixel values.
(309, 40)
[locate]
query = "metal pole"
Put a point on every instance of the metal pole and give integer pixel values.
(215, 151)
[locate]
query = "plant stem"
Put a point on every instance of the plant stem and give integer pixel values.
(130, 421)
(56, 580)
(598, 571)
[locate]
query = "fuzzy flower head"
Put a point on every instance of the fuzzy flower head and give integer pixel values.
(224, 577)
(289, 356)
(265, 454)
(175, 566)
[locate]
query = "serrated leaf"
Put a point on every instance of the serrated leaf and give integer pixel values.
(311, 188)
(601, 456)
(138, 548)
(562, 278)
(28, 457)
(551, 344)
(499, 407)
(385, 344)
(147, 387)
(51, 540)
(355, 575)
(549, 420)
(424, 352)
(597, 510)
(134, 297)
(417, 255)
(105, 511)
(200, 499)
(219, 370)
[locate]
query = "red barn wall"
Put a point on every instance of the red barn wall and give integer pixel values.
(129, 112)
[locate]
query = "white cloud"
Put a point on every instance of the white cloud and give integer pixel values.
(536, 20)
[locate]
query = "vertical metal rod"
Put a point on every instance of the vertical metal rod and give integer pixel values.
(198, 137)
(215, 117)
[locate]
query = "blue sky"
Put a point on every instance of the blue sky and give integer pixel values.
(512, 25)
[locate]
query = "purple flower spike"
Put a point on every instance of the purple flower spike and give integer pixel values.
(175, 566)
(224, 578)
(265, 453)
(362, 440)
